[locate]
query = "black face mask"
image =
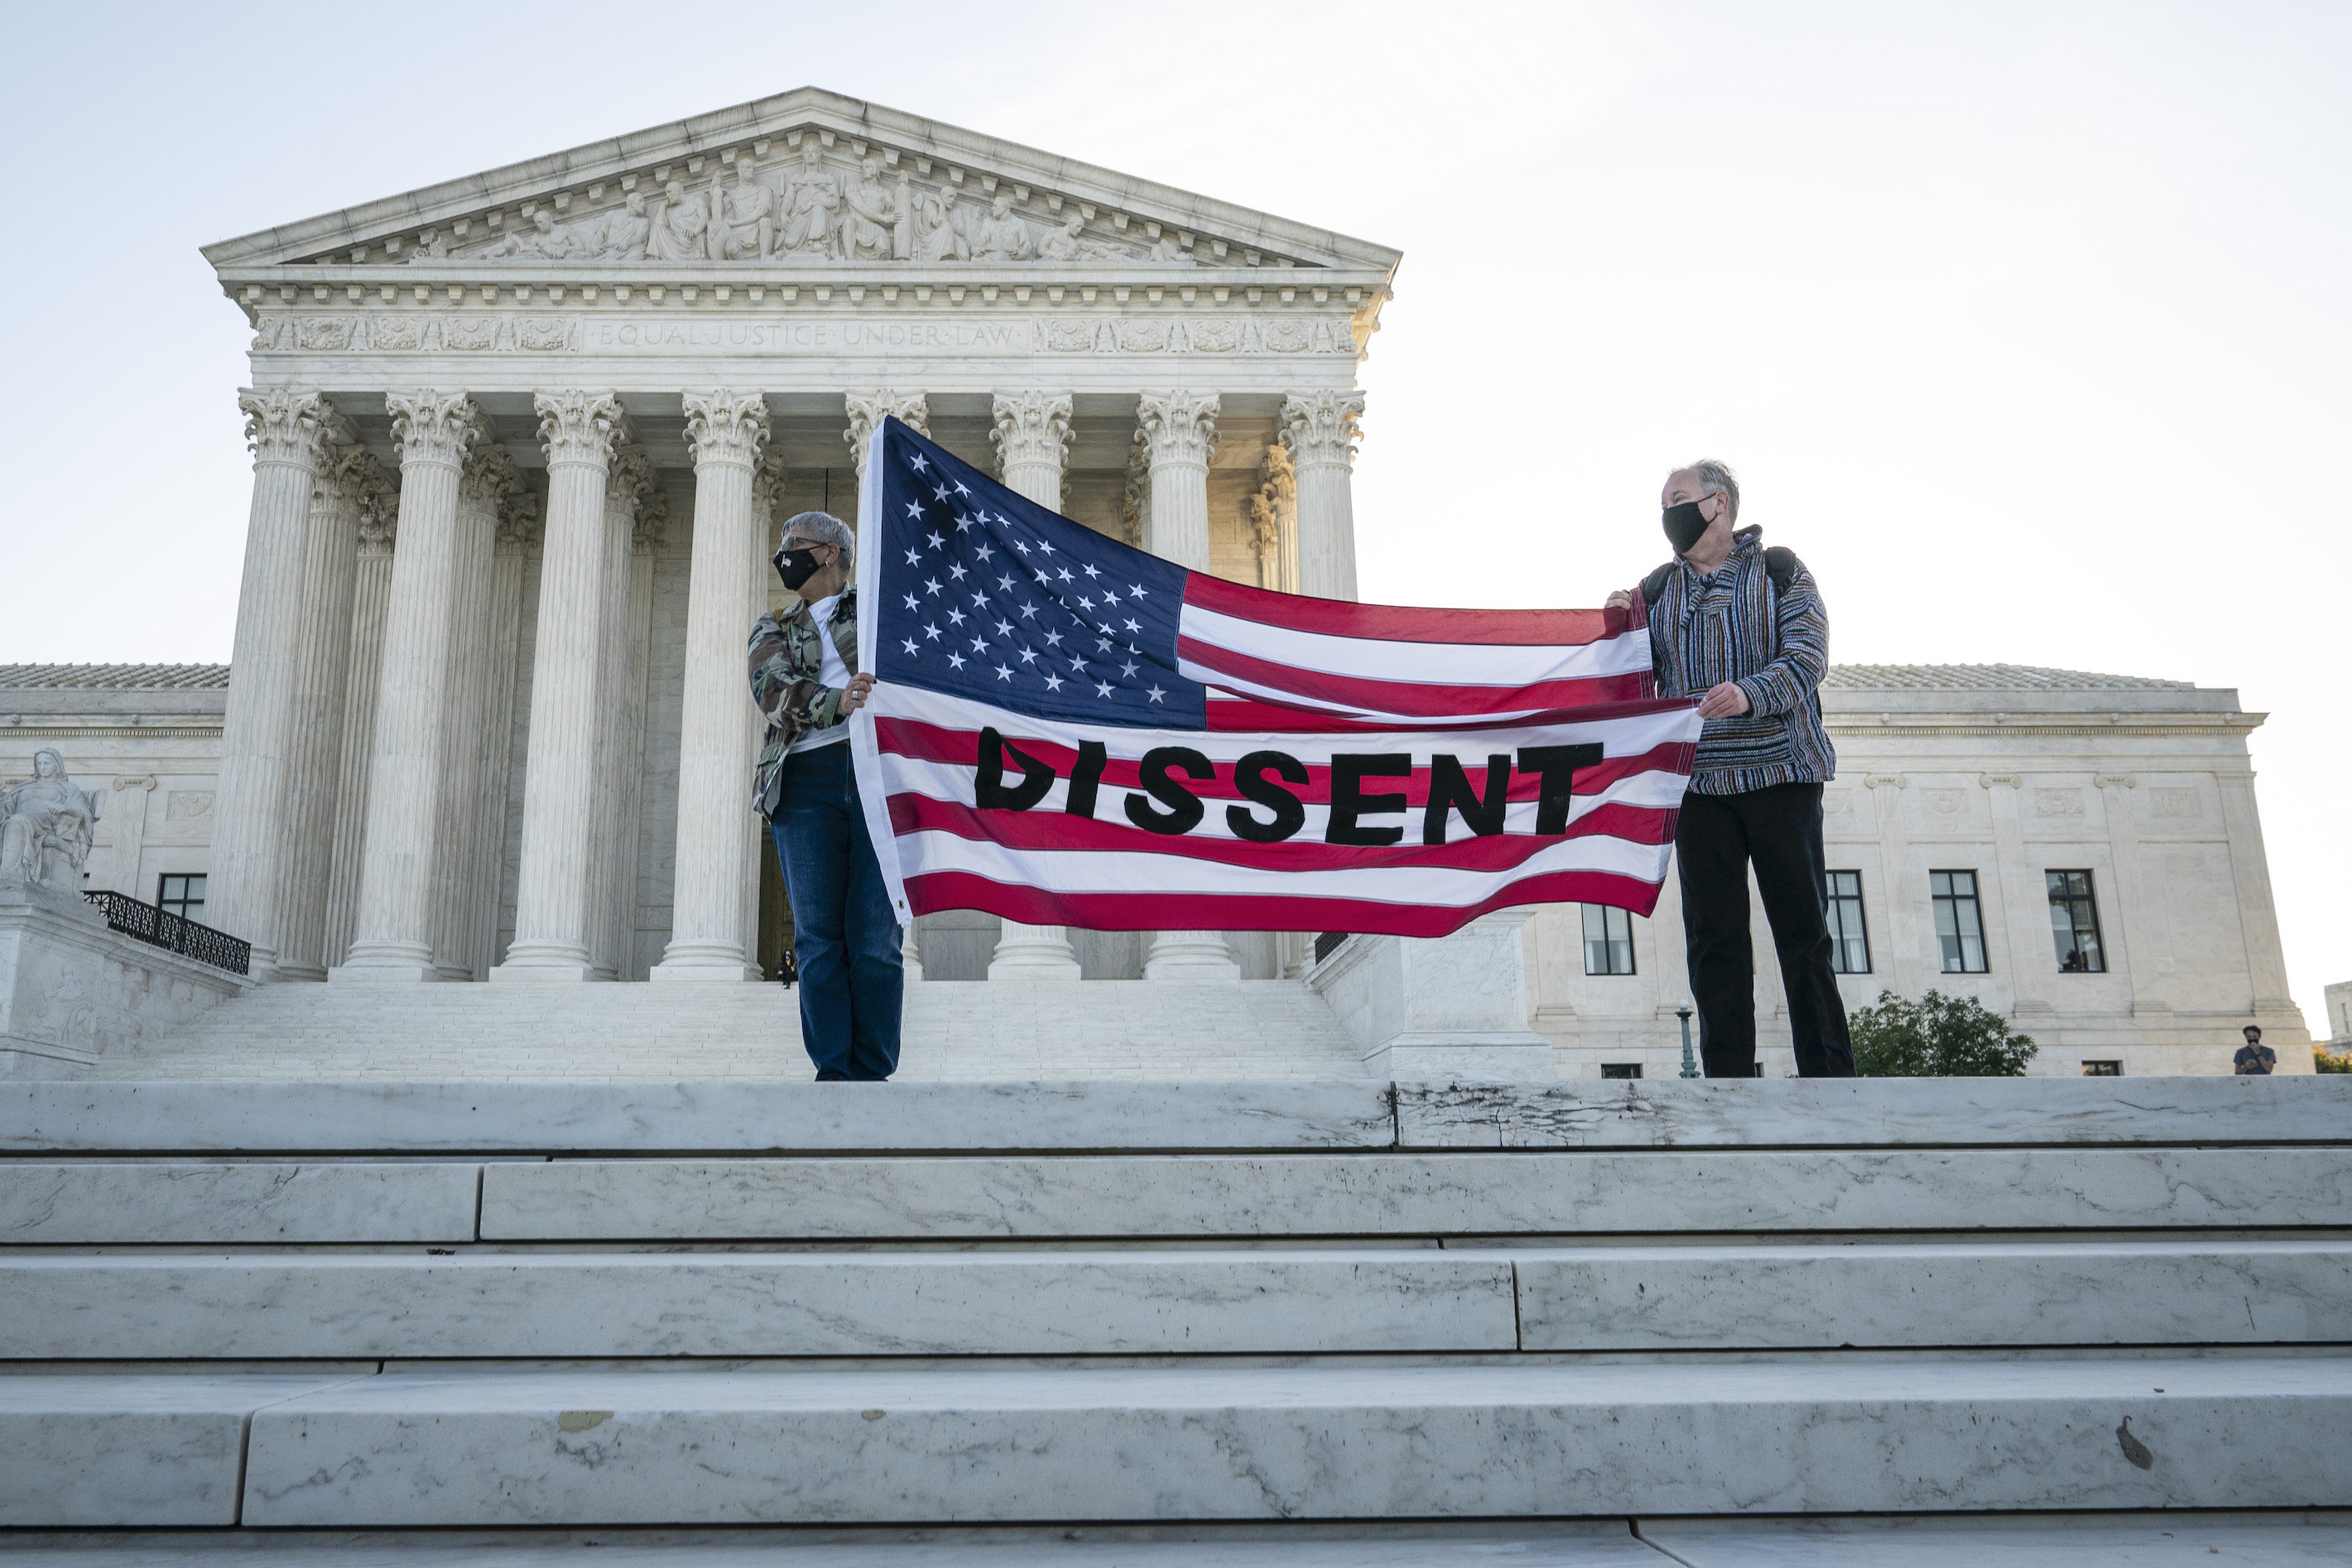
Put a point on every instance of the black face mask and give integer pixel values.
(1685, 526)
(796, 566)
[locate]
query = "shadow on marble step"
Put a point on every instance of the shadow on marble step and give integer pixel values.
(1348, 1440)
(2307, 1539)
(522, 1306)
(1596, 1543)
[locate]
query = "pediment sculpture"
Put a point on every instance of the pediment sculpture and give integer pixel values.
(46, 825)
(804, 208)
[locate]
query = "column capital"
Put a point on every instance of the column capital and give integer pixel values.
(1178, 426)
(488, 476)
(282, 426)
(521, 521)
(580, 427)
(868, 409)
(725, 427)
(1031, 427)
(433, 427)
(1320, 427)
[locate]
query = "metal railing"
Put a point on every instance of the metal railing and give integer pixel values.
(161, 928)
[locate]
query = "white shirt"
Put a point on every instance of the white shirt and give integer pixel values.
(830, 671)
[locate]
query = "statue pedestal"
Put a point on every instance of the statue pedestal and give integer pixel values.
(72, 991)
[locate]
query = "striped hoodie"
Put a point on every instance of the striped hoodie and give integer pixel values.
(1731, 625)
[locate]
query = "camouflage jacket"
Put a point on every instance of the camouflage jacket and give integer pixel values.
(785, 665)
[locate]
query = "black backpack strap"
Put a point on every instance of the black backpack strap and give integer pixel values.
(1654, 585)
(1781, 564)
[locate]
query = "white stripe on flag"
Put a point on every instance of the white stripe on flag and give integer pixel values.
(1419, 663)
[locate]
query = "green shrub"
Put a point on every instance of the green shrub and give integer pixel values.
(2323, 1060)
(1937, 1037)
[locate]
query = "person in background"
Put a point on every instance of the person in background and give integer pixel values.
(2254, 1057)
(1742, 628)
(804, 678)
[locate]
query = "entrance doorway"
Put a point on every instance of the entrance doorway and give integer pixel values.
(776, 912)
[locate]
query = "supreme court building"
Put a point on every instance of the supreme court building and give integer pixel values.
(523, 442)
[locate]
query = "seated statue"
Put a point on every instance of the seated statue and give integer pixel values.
(44, 821)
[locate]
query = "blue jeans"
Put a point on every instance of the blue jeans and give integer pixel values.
(844, 933)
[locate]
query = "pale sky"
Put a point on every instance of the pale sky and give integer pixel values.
(2025, 324)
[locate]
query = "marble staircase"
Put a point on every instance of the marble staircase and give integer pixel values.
(270, 1309)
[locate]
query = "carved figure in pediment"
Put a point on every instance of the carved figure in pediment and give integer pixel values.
(434, 250)
(1001, 236)
(542, 240)
(681, 226)
(871, 216)
(939, 228)
(47, 824)
(809, 215)
(623, 235)
(1168, 252)
(1062, 244)
(747, 227)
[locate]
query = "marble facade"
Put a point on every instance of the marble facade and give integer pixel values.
(521, 446)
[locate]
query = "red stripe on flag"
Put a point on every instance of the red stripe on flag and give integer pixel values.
(1246, 912)
(1241, 714)
(1394, 622)
(1042, 830)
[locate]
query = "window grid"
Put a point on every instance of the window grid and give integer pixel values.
(2103, 1069)
(2074, 923)
(1620, 1070)
(1849, 941)
(1959, 922)
(183, 895)
(1608, 941)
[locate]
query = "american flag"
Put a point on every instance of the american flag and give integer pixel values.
(1067, 731)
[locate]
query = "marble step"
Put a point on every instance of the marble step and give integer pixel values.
(2315, 1538)
(519, 1306)
(478, 1113)
(1210, 1197)
(1317, 1439)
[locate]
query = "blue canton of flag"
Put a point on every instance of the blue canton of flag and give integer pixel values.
(988, 597)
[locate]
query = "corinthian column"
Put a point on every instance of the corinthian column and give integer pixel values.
(322, 673)
(717, 745)
(395, 932)
(288, 434)
(580, 430)
(613, 844)
(486, 484)
(1320, 430)
(520, 532)
(1033, 443)
(363, 680)
(1179, 432)
(868, 409)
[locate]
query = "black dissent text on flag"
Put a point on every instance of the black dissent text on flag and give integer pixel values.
(1009, 779)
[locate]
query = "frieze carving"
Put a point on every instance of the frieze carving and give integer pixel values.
(500, 332)
(809, 202)
(2178, 802)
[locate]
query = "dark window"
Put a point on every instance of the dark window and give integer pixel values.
(2074, 923)
(1959, 927)
(1849, 943)
(1608, 941)
(182, 895)
(2103, 1069)
(1620, 1070)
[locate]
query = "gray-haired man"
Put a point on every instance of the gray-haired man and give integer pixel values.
(1742, 628)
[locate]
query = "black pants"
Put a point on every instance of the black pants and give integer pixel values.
(1780, 829)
